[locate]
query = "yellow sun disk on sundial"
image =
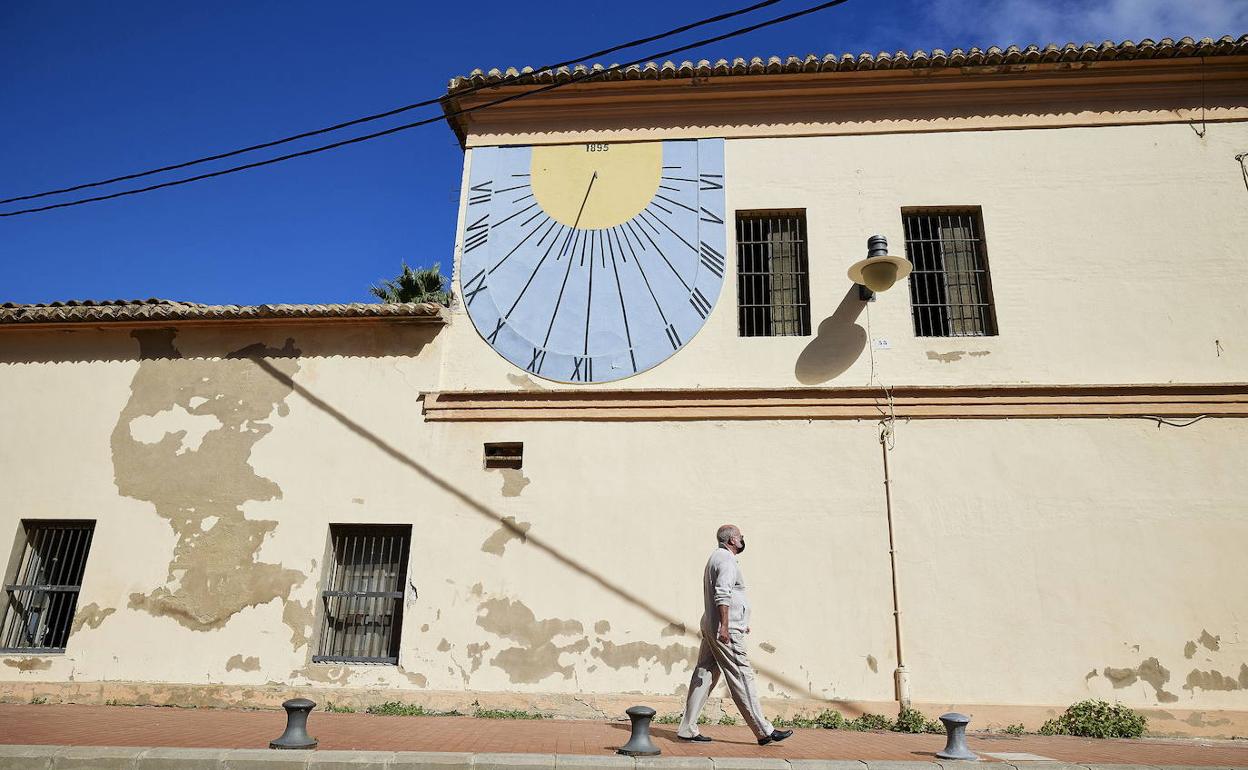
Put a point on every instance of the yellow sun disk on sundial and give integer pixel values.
(628, 178)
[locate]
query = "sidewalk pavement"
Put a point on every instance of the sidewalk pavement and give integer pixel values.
(126, 726)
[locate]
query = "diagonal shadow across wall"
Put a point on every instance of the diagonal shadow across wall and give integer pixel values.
(509, 524)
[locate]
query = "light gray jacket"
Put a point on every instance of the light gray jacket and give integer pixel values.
(722, 583)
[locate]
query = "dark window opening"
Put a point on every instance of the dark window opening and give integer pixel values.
(773, 281)
(950, 290)
(362, 604)
(41, 592)
(509, 454)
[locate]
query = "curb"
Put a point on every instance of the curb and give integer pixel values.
(140, 758)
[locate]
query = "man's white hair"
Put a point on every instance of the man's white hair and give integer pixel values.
(725, 533)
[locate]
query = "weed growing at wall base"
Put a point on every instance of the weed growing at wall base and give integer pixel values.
(674, 719)
(1097, 719)
(481, 713)
(395, 708)
(335, 709)
(912, 721)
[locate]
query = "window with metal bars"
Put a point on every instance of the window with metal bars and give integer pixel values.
(950, 291)
(43, 583)
(362, 604)
(773, 281)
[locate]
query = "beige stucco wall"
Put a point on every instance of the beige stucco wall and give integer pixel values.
(1032, 552)
(1041, 561)
(1116, 256)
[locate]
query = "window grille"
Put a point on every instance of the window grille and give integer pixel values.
(362, 604)
(773, 282)
(45, 580)
(950, 291)
(508, 454)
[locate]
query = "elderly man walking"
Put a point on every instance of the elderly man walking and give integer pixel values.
(725, 622)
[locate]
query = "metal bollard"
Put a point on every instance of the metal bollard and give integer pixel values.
(639, 743)
(955, 744)
(296, 735)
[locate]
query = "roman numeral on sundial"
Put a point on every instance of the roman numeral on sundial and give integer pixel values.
(710, 182)
(712, 259)
(699, 303)
(535, 363)
(470, 290)
(582, 369)
(477, 233)
(481, 193)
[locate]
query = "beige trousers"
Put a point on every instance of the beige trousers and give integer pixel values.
(729, 660)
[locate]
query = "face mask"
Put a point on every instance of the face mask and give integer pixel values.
(742, 548)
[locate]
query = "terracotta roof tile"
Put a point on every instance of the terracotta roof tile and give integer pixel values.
(163, 310)
(1165, 48)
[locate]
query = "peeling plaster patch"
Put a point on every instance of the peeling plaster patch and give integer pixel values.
(424, 628)
(767, 647)
(514, 481)
(1150, 671)
(954, 355)
(511, 530)
(239, 663)
(420, 680)
(188, 428)
(873, 664)
(299, 618)
(1189, 650)
(1091, 675)
(475, 653)
(1208, 641)
(221, 574)
(28, 664)
(357, 500)
(1243, 676)
(630, 655)
(1210, 680)
(322, 673)
(1197, 719)
(476, 590)
(538, 657)
(602, 627)
(681, 689)
(444, 646)
(674, 629)
(524, 382)
(90, 616)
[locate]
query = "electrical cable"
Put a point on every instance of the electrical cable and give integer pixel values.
(576, 78)
(397, 110)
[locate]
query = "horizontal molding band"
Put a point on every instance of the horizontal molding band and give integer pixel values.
(911, 402)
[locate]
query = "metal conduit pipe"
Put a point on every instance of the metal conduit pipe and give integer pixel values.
(901, 676)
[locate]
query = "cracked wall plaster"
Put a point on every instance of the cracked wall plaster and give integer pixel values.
(1150, 671)
(239, 663)
(536, 656)
(90, 616)
(510, 530)
(630, 655)
(28, 664)
(214, 571)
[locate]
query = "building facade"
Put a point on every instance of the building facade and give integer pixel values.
(1016, 476)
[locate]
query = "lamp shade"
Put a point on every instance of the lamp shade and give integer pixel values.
(879, 273)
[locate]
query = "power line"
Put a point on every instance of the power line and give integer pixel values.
(395, 111)
(366, 137)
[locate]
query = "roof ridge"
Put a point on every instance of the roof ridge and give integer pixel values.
(1107, 50)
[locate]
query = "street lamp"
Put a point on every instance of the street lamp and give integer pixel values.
(879, 271)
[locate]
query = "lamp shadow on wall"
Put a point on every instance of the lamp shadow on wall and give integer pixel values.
(498, 519)
(838, 343)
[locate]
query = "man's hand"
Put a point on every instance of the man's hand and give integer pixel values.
(747, 629)
(723, 633)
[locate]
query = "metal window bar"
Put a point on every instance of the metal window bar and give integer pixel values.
(773, 276)
(950, 294)
(363, 598)
(41, 601)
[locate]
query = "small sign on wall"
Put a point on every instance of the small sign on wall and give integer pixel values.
(879, 343)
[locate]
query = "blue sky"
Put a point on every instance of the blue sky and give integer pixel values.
(90, 90)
